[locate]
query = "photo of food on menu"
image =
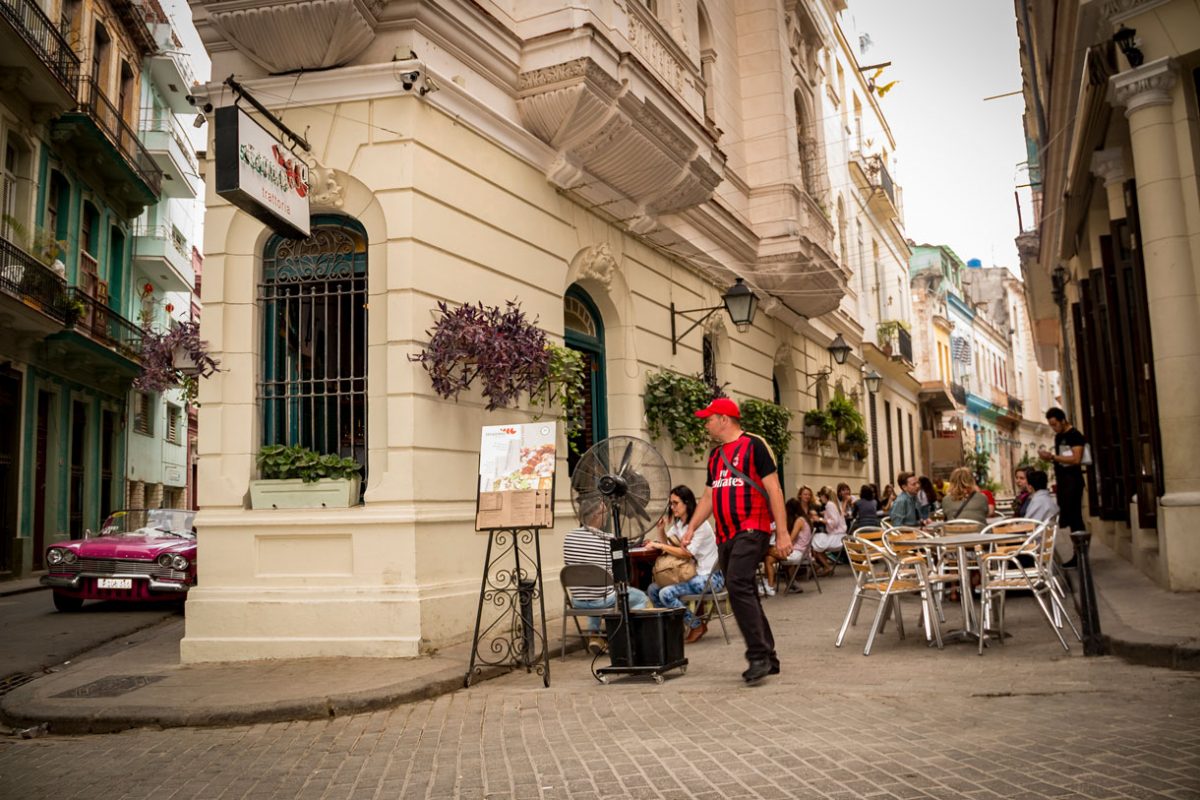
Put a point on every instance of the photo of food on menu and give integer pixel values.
(516, 476)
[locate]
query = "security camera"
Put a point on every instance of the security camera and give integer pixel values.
(412, 76)
(191, 98)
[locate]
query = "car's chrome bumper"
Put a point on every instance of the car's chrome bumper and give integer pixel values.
(73, 583)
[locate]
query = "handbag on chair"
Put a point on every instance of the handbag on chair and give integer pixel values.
(670, 569)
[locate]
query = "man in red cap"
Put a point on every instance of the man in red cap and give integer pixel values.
(743, 495)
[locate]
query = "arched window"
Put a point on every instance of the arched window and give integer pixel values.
(584, 333)
(313, 299)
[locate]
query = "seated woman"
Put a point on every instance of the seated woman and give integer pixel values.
(927, 502)
(866, 509)
(802, 534)
(963, 499)
(703, 549)
(889, 497)
(830, 540)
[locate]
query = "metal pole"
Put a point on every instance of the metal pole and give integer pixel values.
(1089, 615)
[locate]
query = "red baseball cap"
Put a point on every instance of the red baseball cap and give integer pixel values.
(720, 405)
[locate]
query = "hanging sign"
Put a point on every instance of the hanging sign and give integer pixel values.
(259, 175)
(516, 476)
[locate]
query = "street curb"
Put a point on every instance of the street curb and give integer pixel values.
(1144, 649)
(60, 721)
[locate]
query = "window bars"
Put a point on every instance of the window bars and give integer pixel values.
(313, 299)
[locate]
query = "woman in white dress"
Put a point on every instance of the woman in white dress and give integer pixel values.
(835, 522)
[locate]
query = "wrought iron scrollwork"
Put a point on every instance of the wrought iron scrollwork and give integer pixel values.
(510, 624)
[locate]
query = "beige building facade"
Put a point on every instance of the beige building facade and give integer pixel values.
(1113, 266)
(595, 162)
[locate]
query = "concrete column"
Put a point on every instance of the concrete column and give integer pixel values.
(1150, 95)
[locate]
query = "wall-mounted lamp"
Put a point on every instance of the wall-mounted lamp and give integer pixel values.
(839, 351)
(739, 301)
(873, 379)
(1126, 39)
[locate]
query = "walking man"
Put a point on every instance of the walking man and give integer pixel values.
(1067, 457)
(744, 497)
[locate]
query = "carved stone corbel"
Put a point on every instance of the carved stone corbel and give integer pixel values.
(596, 263)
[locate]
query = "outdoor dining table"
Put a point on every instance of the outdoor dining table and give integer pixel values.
(973, 626)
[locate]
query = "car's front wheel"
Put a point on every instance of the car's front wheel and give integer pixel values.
(64, 602)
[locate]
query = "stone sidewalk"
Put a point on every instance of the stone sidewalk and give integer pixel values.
(138, 681)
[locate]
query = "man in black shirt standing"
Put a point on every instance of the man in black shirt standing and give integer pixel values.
(1067, 457)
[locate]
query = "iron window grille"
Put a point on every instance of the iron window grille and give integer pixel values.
(313, 299)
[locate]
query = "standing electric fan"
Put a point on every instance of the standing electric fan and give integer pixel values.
(628, 480)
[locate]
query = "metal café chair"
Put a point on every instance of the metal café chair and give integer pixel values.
(1045, 562)
(1004, 571)
(709, 601)
(793, 570)
(578, 576)
(881, 576)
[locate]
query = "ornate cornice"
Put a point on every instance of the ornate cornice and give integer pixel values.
(289, 35)
(1109, 165)
(593, 121)
(1119, 10)
(1145, 86)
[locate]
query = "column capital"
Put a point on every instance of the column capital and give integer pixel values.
(1109, 164)
(1145, 86)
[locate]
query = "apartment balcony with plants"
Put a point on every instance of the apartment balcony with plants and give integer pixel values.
(33, 48)
(33, 295)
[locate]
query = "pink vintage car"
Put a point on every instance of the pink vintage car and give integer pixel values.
(139, 554)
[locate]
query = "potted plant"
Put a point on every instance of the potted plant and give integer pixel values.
(844, 414)
(73, 310)
(818, 424)
(856, 441)
(177, 359)
(770, 421)
(671, 401)
(296, 477)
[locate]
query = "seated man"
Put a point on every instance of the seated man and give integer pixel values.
(1041, 505)
(589, 544)
(905, 510)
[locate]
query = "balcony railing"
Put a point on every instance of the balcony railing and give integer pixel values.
(166, 233)
(93, 103)
(1016, 405)
(29, 280)
(959, 393)
(885, 180)
(45, 39)
(169, 126)
(107, 326)
(905, 342)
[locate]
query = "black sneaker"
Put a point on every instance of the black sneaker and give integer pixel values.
(757, 671)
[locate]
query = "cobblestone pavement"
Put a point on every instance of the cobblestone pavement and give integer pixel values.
(1024, 720)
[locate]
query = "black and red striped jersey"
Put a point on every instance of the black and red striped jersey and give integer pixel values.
(737, 506)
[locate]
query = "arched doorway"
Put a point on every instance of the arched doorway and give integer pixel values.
(584, 333)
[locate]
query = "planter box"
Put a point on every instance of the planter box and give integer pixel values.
(295, 493)
(814, 432)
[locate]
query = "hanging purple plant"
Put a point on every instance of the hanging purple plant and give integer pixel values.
(176, 359)
(501, 347)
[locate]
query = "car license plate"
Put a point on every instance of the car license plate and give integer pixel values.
(114, 583)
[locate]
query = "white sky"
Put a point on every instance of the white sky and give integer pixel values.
(956, 155)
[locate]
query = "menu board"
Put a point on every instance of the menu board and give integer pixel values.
(516, 476)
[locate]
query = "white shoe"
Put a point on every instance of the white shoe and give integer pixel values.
(770, 590)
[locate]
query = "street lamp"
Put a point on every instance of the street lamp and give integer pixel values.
(1125, 39)
(738, 301)
(873, 379)
(839, 351)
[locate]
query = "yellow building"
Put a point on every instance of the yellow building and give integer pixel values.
(596, 162)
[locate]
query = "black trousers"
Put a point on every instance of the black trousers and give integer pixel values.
(1069, 494)
(739, 558)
